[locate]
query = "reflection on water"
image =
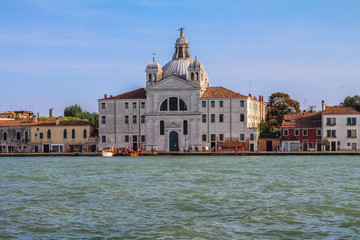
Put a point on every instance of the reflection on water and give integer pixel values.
(272, 197)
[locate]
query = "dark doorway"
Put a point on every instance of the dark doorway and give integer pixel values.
(269, 146)
(135, 143)
(36, 149)
(333, 146)
(174, 141)
(318, 146)
(252, 147)
(93, 148)
(305, 146)
(46, 148)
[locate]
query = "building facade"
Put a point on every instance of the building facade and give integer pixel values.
(301, 132)
(340, 127)
(178, 110)
(32, 136)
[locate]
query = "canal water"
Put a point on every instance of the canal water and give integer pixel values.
(195, 197)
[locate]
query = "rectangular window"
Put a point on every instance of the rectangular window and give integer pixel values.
(203, 103)
(297, 132)
(142, 118)
(103, 138)
(221, 137)
(126, 138)
(286, 132)
(126, 105)
(351, 133)
(102, 105)
(213, 137)
(221, 117)
(142, 105)
(305, 132)
(142, 138)
(203, 117)
(221, 104)
(242, 117)
(103, 119)
(126, 119)
(134, 119)
(204, 137)
(331, 121)
(351, 121)
(212, 117)
(41, 135)
(251, 137)
(318, 132)
(242, 137)
(331, 133)
(134, 137)
(134, 105)
(242, 103)
(212, 104)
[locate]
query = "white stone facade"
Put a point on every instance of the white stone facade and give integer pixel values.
(178, 110)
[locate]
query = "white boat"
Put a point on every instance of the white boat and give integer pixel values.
(107, 153)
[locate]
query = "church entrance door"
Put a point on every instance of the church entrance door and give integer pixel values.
(174, 141)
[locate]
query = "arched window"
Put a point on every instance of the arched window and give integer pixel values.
(164, 105)
(192, 76)
(197, 76)
(182, 105)
(48, 134)
(185, 127)
(73, 133)
(84, 133)
(18, 135)
(65, 134)
(162, 127)
(150, 77)
(154, 77)
(26, 136)
(173, 104)
(5, 136)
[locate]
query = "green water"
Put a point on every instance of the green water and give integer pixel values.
(268, 197)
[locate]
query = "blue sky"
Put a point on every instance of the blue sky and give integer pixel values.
(58, 53)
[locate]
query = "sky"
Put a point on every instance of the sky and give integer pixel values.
(58, 53)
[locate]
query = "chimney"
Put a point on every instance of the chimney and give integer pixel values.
(323, 106)
(111, 96)
(250, 95)
(57, 121)
(35, 118)
(51, 112)
(38, 114)
(105, 96)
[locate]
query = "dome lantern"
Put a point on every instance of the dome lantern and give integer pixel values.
(153, 72)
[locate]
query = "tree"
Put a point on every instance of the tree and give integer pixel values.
(280, 104)
(72, 111)
(352, 102)
(311, 109)
(75, 111)
(268, 129)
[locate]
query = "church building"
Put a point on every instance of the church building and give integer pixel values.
(178, 110)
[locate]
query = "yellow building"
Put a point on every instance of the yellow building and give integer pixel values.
(63, 136)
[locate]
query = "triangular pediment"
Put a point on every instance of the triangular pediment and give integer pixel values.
(173, 82)
(173, 125)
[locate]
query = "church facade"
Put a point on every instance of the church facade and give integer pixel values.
(178, 110)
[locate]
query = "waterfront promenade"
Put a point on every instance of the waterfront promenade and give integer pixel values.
(225, 153)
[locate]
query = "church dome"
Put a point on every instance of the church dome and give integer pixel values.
(182, 61)
(178, 67)
(153, 66)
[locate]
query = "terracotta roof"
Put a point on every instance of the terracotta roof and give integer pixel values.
(221, 92)
(40, 123)
(338, 109)
(306, 120)
(8, 112)
(136, 94)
